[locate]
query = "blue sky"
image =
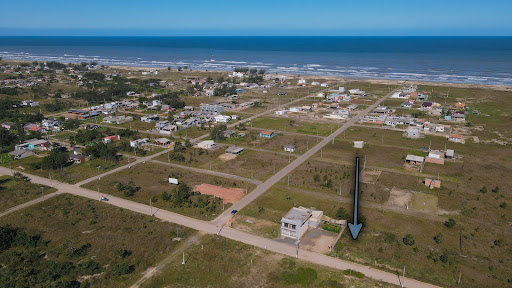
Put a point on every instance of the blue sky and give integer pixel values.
(261, 17)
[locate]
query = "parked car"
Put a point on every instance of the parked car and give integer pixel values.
(234, 212)
(103, 198)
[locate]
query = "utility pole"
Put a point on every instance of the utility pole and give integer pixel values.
(151, 207)
(42, 192)
(288, 180)
(183, 263)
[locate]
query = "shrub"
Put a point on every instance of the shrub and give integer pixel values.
(450, 223)
(409, 240)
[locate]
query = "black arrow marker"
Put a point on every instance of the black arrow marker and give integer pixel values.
(355, 227)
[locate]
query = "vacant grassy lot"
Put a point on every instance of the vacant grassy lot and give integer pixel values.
(250, 164)
(15, 191)
(72, 173)
(108, 245)
(293, 125)
(227, 263)
(193, 157)
(153, 181)
(253, 140)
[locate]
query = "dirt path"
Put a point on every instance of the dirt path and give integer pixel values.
(194, 239)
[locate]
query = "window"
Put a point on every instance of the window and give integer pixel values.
(285, 225)
(293, 226)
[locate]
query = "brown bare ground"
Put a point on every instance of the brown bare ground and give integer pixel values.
(229, 195)
(226, 157)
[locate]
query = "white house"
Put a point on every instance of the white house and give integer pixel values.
(207, 144)
(139, 142)
(289, 148)
(280, 112)
(221, 119)
(295, 223)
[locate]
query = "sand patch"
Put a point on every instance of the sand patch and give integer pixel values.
(226, 157)
(229, 195)
(399, 198)
(318, 240)
(370, 176)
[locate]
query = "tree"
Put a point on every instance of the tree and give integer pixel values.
(188, 144)
(217, 133)
(181, 194)
(449, 223)
(71, 124)
(6, 140)
(316, 178)
(483, 190)
(496, 189)
(165, 196)
(438, 238)
(342, 213)
(408, 240)
(56, 159)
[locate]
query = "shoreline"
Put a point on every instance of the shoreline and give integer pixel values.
(306, 76)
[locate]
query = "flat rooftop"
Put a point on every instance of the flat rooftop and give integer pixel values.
(298, 214)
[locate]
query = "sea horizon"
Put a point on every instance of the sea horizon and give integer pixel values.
(453, 59)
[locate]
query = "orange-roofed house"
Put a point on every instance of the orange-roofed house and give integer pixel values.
(432, 183)
(267, 134)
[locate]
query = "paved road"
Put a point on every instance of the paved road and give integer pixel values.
(211, 228)
(224, 217)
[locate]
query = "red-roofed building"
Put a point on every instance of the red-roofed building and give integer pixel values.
(111, 138)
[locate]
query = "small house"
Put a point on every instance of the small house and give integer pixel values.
(289, 148)
(432, 183)
(20, 154)
(112, 138)
(8, 125)
(267, 134)
(435, 156)
(234, 150)
(162, 142)
(358, 144)
(228, 133)
(414, 160)
(456, 138)
(77, 158)
(207, 144)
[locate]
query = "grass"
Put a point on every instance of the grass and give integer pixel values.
(302, 142)
(68, 221)
(220, 262)
(250, 164)
(152, 179)
(72, 173)
(15, 191)
(293, 125)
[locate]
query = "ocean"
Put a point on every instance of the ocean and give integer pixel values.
(479, 60)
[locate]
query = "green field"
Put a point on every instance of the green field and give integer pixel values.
(85, 242)
(15, 191)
